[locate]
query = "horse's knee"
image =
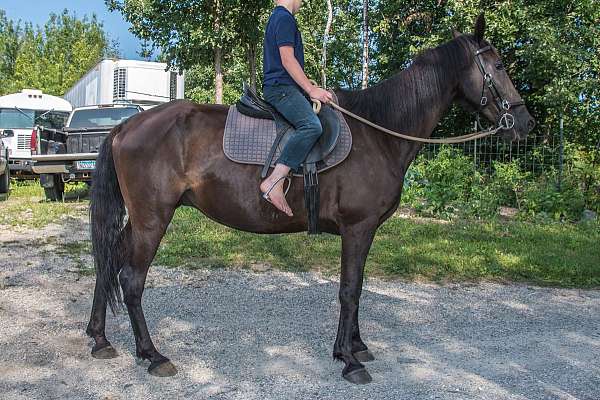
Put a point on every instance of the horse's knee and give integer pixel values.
(349, 296)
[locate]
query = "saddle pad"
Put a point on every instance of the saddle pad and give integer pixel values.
(248, 140)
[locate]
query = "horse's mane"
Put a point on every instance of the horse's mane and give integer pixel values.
(418, 87)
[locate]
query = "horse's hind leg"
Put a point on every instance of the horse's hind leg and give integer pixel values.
(102, 348)
(144, 240)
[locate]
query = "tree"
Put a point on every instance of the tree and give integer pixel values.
(194, 33)
(10, 42)
(51, 58)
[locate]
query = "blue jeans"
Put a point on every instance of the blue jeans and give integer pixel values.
(291, 103)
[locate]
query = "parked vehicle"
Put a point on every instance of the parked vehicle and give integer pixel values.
(4, 169)
(19, 113)
(111, 81)
(69, 155)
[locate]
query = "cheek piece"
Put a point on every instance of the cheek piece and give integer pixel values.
(506, 120)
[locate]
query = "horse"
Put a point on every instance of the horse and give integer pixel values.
(172, 156)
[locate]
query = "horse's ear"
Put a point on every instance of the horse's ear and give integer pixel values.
(456, 33)
(480, 28)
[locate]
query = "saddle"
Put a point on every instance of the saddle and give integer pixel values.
(255, 133)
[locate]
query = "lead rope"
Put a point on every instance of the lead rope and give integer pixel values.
(453, 140)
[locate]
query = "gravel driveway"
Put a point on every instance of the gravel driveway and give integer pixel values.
(237, 334)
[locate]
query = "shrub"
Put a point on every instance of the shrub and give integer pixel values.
(440, 186)
(450, 185)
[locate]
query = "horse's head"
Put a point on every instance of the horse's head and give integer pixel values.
(487, 88)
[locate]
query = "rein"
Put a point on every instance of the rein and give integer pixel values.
(453, 140)
(505, 122)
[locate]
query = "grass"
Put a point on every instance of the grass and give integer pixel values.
(549, 254)
(553, 254)
(27, 205)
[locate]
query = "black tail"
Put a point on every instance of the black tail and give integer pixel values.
(107, 213)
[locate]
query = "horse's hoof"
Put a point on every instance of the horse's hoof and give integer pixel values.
(364, 356)
(163, 370)
(104, 353)
(358, 377)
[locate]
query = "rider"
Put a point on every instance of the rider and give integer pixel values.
(284, 86)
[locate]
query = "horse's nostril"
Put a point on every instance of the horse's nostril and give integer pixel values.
(531, 124)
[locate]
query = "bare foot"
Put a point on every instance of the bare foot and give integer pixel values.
(276, 195)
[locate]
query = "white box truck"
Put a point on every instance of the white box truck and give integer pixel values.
(127, 81)
(19, 114)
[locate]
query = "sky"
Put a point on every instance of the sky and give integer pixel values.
(37, 11)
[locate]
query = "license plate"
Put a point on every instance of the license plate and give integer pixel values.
(86, 165)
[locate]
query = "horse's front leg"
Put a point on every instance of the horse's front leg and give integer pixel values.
(349, 348)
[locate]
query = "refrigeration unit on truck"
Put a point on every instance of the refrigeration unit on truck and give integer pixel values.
(19, 114)
(117, 81)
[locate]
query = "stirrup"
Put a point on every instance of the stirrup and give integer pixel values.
(265, 195)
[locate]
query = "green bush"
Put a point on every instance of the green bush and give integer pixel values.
(442, 186)
(450, 185)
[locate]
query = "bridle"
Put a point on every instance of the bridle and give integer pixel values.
(506, 121)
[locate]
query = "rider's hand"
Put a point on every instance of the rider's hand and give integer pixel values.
(320, 94)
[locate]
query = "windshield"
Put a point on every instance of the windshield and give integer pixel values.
(101, 117)
(13, 118)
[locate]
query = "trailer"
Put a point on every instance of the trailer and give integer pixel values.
(19, 114)
(117, 81)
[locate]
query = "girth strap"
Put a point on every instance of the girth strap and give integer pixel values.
(312, 197)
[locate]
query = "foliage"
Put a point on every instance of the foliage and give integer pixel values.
(450, 185)
(50, 58)
(444, 183)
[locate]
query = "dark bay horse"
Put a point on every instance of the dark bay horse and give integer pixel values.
(172, 156)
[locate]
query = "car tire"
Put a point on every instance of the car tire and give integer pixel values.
(5, 181)
(55, 193)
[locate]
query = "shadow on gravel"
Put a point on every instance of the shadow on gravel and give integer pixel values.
(239, 335)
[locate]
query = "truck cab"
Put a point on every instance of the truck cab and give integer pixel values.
(19, 114)
(69, 155)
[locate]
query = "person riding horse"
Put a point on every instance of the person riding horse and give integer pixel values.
(283, 83)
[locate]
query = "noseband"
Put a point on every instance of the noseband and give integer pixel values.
(506, 120)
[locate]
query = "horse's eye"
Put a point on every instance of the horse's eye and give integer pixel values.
(499, 65)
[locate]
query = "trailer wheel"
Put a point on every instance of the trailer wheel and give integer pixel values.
(55, 191)
(5, 181)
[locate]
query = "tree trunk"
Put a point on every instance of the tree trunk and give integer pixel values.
(218, 56)
(218, 76)
(365, 68)
(252, 65)
(325, 40)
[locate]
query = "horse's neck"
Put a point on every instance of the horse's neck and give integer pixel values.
(412, 102)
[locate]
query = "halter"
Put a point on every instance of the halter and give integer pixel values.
(506, 120)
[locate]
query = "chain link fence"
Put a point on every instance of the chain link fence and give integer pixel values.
(537, 153)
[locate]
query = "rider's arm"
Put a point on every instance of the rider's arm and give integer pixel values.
(292, 66)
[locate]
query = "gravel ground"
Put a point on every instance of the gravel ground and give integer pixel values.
(237, 334)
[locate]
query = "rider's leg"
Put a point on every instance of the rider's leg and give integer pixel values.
(291, 103)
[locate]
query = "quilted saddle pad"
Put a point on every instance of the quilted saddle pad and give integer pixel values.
(248, 140)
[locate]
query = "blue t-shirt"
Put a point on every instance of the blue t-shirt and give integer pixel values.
(282, 30)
